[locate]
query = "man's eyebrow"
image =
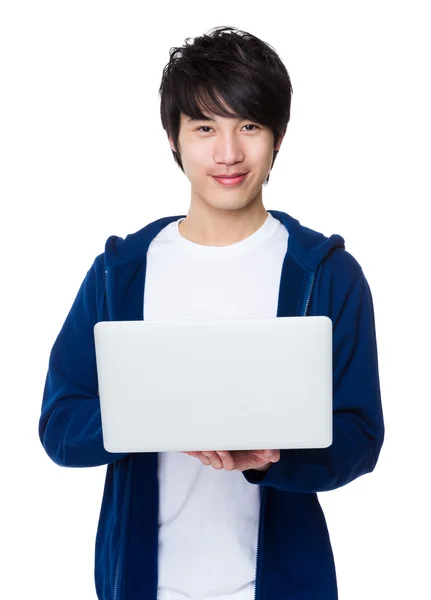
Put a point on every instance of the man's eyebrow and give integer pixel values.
(210, 118)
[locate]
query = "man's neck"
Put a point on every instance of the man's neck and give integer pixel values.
(222, 231)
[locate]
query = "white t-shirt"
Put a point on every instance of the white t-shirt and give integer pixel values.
(208, 518)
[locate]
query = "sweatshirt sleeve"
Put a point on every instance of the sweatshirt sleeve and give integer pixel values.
(70, 427)
(358, 428)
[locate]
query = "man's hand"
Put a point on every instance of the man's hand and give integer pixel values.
(238, 460)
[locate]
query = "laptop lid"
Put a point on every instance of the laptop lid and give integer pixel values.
(215, 384)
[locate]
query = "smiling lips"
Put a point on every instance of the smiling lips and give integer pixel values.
(234, 179)
(228, 176)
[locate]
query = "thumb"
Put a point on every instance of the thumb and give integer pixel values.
(273, 455)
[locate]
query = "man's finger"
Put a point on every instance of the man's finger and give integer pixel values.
(274, 456)
(227, 459)
(214, 459)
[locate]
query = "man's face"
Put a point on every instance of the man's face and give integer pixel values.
(225, 145)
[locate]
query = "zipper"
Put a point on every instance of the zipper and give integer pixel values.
(125, 501)
(258, 538)
(106, 293)
(117, 567)
(262, 487)
(114, 596)
(309, 294)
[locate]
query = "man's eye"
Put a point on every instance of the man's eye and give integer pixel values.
(248, 125)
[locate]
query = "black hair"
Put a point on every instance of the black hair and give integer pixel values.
(231, 65)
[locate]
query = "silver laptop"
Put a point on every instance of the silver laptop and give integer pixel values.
(215, 384)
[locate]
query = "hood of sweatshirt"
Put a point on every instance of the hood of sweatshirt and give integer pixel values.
(308, 247)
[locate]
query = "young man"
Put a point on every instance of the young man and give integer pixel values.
(222, 525)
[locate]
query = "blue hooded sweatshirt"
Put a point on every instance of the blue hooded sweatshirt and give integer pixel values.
(294, 555)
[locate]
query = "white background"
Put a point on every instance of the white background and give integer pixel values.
(84, 156)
